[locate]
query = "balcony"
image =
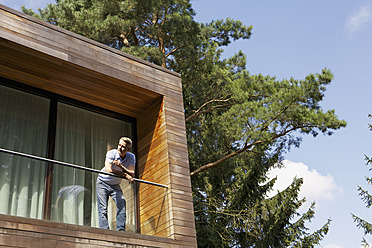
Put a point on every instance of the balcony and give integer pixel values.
(69, 73)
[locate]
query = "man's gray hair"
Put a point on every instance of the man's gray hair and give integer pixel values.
(126, 140)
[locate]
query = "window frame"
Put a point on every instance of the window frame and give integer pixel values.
(52, 124)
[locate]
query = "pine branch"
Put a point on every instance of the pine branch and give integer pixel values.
(265, 126)
(135, 38)
(200, 110)
(209, 109)
(174, 50)
(366, 226)
(247, 147)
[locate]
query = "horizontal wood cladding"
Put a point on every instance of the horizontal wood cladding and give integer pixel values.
(24, 232)
(48, 33)
(165, 212)
(50, 58)
(59, 61)
(153, 148)
(73, 82)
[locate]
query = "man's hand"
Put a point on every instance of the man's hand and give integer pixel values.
(129, 177)
(116, 162)
(129, 171)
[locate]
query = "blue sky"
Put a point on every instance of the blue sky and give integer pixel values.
(293, 38)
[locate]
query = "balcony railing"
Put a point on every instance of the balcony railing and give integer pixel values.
(76, 166)
(74, 203)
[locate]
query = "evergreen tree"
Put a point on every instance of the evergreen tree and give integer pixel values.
(367, 198)
(238, 125)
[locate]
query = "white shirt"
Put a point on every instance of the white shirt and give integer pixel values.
(112, 155)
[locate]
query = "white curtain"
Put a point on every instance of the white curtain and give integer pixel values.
(23, 128)
(83, 138)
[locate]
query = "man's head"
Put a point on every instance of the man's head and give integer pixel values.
(125, 144)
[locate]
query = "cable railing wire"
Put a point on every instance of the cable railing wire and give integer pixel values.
(76, 166)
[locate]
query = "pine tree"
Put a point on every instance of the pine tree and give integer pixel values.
(367, 198)
(238, 125)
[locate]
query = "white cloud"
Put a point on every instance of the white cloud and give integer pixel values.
(360, 19)
(316, 187)
(332, 246)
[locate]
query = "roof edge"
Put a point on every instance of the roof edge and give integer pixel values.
(80, 37)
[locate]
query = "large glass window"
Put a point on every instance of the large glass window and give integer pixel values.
(82, 138)
(24, 128)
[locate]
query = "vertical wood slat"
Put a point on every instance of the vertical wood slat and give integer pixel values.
(149, 126)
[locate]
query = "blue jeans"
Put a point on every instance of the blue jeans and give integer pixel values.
(104, 191)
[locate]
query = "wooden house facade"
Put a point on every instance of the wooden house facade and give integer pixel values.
(78, 77)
